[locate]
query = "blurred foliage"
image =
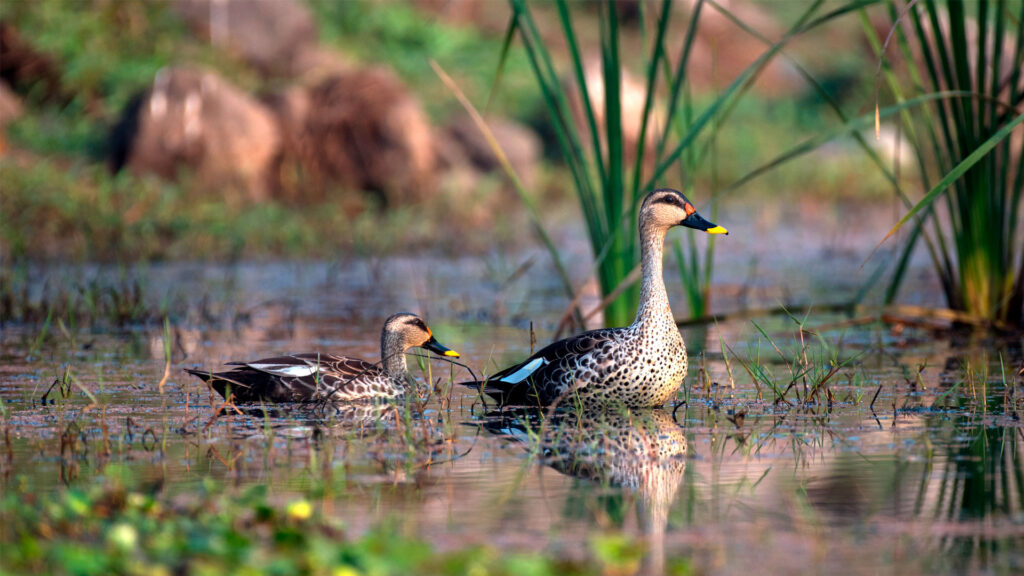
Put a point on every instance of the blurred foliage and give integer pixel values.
(406, 38)
(113, 527)
(52, 209)
(104, 52)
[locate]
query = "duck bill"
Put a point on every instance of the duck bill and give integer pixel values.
(434, 346)
(697, 222)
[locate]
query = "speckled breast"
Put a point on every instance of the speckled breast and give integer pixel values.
(648, 373)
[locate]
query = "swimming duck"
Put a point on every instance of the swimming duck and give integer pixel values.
(324, 377)
(640, 365)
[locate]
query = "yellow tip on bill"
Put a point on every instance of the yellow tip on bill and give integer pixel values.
(452, 353)
(717, 230)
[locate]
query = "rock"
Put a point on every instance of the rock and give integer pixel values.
(26, 69)
(361, 129)
(195, 119)
(270, 35)
(291, 178)
(315, 64)
(11, 107)
(521, 145)
(10, 110)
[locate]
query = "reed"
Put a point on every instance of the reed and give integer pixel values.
(611, 174)
(967, 145)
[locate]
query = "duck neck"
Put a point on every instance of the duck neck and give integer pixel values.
(392, 354)
(653, 298)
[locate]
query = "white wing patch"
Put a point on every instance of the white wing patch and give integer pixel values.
(288, 370)
(524, 372)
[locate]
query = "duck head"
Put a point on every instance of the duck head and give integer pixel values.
(405, 330)
(665, 208)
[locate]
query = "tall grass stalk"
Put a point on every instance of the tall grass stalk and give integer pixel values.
(964, 144)
(610, 179)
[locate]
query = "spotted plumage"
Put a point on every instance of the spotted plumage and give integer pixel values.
(640, 365)
(318, 377)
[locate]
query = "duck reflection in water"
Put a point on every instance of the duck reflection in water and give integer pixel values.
(642, 452)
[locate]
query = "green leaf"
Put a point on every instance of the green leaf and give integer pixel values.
(957, 172)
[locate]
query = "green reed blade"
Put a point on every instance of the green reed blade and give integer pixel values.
(958, 171)
(576, 59)
(720, 102)
(506, 48)
(651, 87)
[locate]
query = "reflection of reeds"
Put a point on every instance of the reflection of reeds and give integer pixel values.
(979, 476)
(964, 150)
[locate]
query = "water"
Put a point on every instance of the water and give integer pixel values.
(912, 461)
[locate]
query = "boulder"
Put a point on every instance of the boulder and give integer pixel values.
(11, 107)
(27, 70)
(520, 144)
(196, 120)
(316, 64)
(360, 129)
(271, 35)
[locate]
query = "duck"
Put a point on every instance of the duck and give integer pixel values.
(318, 377)
(637, 366)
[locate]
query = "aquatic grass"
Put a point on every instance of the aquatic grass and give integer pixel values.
(966, 147)
(79, 212)
(109, 297)
(43, 332)
(607, 204)
(812, 365)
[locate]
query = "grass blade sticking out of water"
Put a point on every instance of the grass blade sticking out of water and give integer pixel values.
(167, 355)
(42, 335)
(966, 164)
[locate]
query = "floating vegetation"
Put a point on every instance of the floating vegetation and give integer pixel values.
(116, 526)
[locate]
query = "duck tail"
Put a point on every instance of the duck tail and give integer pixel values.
(504, 393)
(218, 381)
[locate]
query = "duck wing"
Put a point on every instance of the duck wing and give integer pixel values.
(546, 375)
(292, 378)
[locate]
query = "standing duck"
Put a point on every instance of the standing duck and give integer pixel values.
(638, 366)
(324, 377)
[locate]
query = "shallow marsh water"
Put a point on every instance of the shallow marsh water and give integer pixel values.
(911, 462)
